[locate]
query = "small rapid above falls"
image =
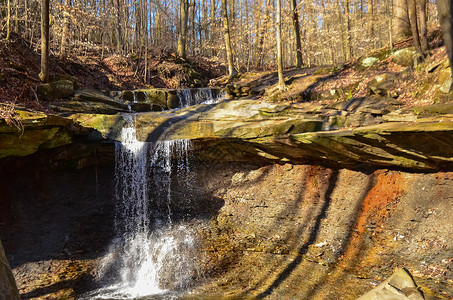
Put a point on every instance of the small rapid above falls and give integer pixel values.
(150, 255)
(189, 97)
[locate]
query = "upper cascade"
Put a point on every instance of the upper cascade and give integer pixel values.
(144, 100)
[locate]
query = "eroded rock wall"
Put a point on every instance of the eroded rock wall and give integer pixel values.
(310, 232)
(277, 230)
(56, 217)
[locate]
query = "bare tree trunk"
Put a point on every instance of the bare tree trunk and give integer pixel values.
(281, 81)
(192, 25)
(370, 5)
(445, 19)
(182, 38)
(389, 22)
(423, 26)
(226, 33)
(45, 47)
(401, 24)
(263, 32)
(16, 16)
(204, 28)
(348, 32)
(26, 17)
(414, 25)
(65, 32)
(8, 21)
(342, 29)
(119, 33)
(213, 28)
(296, 28)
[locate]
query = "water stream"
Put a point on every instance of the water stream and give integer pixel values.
(152, 256)
(189, 97)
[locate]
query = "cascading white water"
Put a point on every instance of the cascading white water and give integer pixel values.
(189, 97)
(151, 255)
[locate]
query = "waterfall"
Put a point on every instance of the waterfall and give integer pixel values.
(151, 255)
(189, 97)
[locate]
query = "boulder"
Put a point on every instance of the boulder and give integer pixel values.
(399, 286)
(8, 287)
(368, 62)
(57, 89)
(382, 85)
(447, 86)
(444, 74)
(405, 57)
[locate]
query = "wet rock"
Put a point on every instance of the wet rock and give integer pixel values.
(57, 89)
(399, 286)
(172, 100)
(8, 288)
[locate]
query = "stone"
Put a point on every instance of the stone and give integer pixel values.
(172, 100)
(434, 110)
(150, 96)
(399, 286)
(382, 84)
(96, 101)
(57, 89)
(405, 57)
(369, 61)
(444, 75)
(8, 287)
(447, 86)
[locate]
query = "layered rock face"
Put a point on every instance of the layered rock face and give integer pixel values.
(310, 232)
(374, 132)
(295, 201)
(56, 217)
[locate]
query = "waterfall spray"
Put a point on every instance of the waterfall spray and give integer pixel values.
(150, 255)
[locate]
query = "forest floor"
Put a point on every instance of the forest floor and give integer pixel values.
(91, 67)
(413, 85)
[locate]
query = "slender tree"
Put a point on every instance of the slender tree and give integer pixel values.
(296, 29)
(45, 45)
(445, 8)
(389, 23)
(414, 25)
(401, 25)
(65, 31)
(182, 38)
(226, 33)
(8, 21)
(423, 25)
(281, 81)
(213, 25)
